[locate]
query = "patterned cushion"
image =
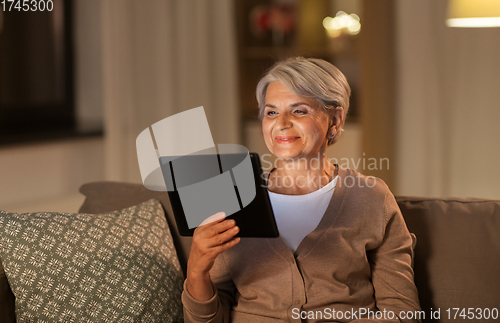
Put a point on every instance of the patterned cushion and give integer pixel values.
(114, 267)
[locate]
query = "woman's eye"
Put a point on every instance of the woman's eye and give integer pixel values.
(269, 113)
(300, 111)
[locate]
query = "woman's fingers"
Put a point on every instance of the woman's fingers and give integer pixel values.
(223, 247)
(210, 239)
(217, 217)
(214, 232)
(228, 231)
(214, 225)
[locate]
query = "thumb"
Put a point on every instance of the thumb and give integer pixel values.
(217, 217)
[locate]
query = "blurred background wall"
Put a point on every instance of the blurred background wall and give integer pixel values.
(135, 64)
(448, 105)
(427, 96)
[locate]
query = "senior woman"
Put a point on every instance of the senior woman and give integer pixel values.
(344, 252)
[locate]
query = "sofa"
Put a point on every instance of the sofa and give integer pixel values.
(457, 252)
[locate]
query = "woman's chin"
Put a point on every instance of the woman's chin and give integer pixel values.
(285, 154)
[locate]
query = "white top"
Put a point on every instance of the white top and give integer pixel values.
(298, 215)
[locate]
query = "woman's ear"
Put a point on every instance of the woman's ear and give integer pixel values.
(332, 123)
(338, 118)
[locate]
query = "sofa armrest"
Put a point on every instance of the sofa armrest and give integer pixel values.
(7, 307)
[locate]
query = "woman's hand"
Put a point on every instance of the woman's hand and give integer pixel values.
(213, 236)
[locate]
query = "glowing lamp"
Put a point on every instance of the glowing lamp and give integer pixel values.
(473, 13)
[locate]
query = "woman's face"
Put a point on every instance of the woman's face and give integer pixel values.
(293, 126)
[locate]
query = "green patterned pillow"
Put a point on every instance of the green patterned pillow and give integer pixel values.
(114, 267)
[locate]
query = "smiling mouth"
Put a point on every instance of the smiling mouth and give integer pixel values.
(286, 139)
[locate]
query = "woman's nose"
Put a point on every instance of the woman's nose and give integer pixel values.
(284, 121)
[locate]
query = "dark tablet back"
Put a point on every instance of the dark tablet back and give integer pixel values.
(254, 220)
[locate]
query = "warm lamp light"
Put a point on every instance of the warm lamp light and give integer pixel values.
(342, 23)
(473, 13)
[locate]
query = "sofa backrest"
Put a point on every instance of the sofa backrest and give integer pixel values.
(457, 254)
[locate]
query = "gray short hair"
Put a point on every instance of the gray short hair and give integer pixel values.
(310, 78)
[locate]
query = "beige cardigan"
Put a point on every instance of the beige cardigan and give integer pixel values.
(358, 259)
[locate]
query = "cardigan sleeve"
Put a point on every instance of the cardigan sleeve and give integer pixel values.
(218, 308)
(392, 273)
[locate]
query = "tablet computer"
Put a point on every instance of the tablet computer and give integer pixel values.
(256, 219)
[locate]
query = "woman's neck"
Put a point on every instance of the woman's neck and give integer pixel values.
(301, 175)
